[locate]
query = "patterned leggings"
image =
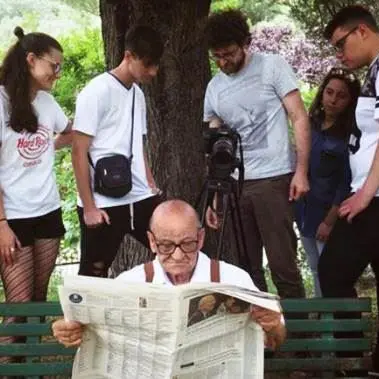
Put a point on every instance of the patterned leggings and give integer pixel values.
(28, 278)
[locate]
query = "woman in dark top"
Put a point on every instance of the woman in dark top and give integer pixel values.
(332, 117)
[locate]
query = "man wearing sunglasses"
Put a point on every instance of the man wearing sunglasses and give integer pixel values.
(176, 238)
(354, 241)
(255, 94)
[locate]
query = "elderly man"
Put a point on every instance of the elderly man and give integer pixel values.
(176, 238)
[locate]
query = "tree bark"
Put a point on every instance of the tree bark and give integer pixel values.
(175, 97)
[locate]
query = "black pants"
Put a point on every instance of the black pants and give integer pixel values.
(99, 245)
(350, 248)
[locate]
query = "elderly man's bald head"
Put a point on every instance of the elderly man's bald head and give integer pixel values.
(169, 210)
(176, 237)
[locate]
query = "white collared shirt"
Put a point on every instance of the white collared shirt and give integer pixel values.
(229, 274)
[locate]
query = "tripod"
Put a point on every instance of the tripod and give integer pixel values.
(227, 193)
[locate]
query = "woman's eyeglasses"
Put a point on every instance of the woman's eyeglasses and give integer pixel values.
(57, 67)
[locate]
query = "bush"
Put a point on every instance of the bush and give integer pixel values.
(83, 59)
(302, 54)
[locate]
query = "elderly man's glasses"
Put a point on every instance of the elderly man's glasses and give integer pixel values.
(229, 55)
(340, 44)
(168, 247)
(57, 67)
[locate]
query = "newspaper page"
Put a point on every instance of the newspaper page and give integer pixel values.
(154, 331)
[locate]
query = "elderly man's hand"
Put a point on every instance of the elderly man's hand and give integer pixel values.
(266, 318)
(68, 333)
(271, 323)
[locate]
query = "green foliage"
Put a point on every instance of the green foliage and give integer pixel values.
(220, 5)
(308, 94)
(314, 14)
(83, 59)
(55, 281)
(256, 10)
(263, 10)
(67, 189)
(90, 6)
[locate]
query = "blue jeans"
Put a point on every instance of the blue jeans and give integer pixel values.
(313, 249)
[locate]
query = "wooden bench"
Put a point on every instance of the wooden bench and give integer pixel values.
(44, 356)
(312, 333)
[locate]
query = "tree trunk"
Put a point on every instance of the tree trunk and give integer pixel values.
(175, 98)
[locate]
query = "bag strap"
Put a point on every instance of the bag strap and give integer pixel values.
(215, 271)
(131, 132)
(149, 272)
(90, 160)
(2, 120)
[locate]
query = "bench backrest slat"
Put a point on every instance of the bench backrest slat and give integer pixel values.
(25, 330)
(34, 349)
(309, 364)
(37, 368)
(31, 309)
(327, 305)
(325, 345)
(363, 324)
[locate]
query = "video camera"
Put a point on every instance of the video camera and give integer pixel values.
(221, 146)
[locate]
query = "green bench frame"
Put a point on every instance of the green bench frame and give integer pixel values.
(314, 337)
(41, 353)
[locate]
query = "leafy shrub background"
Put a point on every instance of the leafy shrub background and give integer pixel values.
(83, 59)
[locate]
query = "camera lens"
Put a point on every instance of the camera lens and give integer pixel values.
(222, 151)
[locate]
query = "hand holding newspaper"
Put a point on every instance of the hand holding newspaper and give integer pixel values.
(153, 331)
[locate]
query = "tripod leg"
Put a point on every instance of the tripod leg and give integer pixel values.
(239, 233)
(204, 200)
(237, 236)
(225, 205)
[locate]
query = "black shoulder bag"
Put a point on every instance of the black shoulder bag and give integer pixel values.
(113, 174)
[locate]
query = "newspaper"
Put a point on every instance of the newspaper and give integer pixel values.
(142, 331)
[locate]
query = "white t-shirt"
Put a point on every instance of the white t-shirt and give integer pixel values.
(229, 274)
(251, 102)
(104, 110)
(365, 140)
(27, 160)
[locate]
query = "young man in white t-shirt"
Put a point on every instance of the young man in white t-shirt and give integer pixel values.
(354, 241)
(110, 119)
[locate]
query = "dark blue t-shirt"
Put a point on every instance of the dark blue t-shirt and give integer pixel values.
(329, 179)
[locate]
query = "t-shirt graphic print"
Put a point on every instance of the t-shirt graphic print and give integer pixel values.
(365, 137)
(27, 159)
(31, 146)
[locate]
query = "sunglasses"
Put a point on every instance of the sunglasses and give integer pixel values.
(57, 67)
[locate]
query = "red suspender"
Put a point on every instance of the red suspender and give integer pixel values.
(215, 271)
(149, 272)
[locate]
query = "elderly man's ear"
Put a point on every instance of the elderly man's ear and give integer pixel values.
(201, 238)
(153, 246)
